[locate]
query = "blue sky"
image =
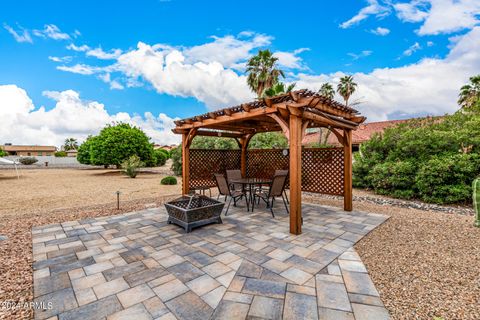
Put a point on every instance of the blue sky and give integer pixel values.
(179, 58)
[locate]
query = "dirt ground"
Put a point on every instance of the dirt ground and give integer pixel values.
(41, 190)
(424, 264)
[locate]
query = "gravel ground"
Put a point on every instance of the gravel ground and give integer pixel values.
(424, 263)
(16, 252)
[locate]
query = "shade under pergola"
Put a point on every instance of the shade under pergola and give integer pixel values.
(290, 113)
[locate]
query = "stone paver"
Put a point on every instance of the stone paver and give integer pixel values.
(136, 265)
(266, 308)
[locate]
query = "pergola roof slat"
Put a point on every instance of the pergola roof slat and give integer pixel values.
(303, 97)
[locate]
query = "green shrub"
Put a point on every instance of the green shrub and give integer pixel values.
(60, 154)
(165, 152)
(395, 178)
(169, 180)
(448, 179)
(27, 160)
(432, 159)
(160, 157)
(177, 160)
(3, 153)
(115, 144)
(131, 165)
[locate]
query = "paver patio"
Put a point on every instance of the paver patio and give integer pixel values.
(136, 265)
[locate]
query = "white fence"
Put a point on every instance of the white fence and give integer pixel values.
(55, 162)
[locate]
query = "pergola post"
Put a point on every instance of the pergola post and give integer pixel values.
(295, 135)
(243, 157)
(185, 164)
(347, 171)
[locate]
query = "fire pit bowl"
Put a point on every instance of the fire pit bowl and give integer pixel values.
(194, 211)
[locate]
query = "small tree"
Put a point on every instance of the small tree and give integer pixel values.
(84, 151)
(346, 87)
(70, 144)
(327, 90)
(131, 165)
(115, 143)
(3, 153)
(470, 93)
(263, 72)
(268, 140)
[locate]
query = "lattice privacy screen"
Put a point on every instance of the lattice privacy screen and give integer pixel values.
(322, 168)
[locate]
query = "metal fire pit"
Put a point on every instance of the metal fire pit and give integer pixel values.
(194, 211)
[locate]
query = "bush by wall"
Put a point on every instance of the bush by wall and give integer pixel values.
(169, 180)
(60, 154)
(432, 159)
(27, 160)
(160, 157)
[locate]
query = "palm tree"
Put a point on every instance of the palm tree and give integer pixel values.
(262, 72)
(470, 93)
(346, 88)
(276, 89)
(70, 144)
(327, 90)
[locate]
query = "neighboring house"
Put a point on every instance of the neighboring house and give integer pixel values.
(165, 147)
(19, 150)
(359, 136)
(72, 153)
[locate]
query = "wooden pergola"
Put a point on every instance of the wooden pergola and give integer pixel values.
(291, 114)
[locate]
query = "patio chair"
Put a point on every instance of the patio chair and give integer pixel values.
(276, 190)
(224, 190)
(232, 175)
(277, 172)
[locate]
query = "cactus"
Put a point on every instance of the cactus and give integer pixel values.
(476, 201)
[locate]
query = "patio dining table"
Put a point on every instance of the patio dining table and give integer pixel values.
(249, 185)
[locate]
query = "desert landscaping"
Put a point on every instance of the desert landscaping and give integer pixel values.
(404, 252)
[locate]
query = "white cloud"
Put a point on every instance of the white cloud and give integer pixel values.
(168, 72)
(207, 72)
(429, 86)
(20, 36)
(436, 16)
(81, 48)
(60, 59)
(374, 8)
(114, 84)
(80, 69)
(71, 116)
(291, 60)
(412, 49)
(380, 31)
(363, 54)
(447, 16)
(440, 16)
(228, 50)
(51, 31)
(97, 52)
(414, 11)
(100, 54)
